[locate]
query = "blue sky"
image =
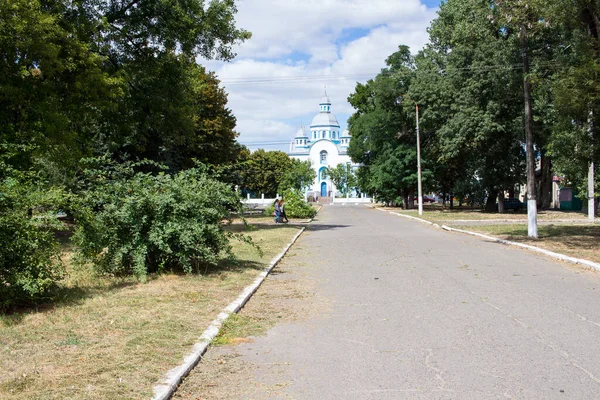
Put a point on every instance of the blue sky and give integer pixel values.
(299, 46)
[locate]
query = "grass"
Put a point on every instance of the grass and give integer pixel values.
(437, 215)
(581, 241)
(112, 338)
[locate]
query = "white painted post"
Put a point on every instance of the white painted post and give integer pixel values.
(248, 195)
(591, 201)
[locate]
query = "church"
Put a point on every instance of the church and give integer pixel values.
(325, 146)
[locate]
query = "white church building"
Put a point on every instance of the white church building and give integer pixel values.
(325, 146)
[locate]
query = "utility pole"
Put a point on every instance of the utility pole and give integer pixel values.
(420, 191)
(532, 230)
(419, 186)
(591, 201)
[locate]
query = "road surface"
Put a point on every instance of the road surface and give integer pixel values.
(402, 310)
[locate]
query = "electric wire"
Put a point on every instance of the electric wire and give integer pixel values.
(319, 78)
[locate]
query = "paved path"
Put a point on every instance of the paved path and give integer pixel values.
(415, 312)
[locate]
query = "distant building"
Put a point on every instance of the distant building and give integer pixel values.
(324, 146)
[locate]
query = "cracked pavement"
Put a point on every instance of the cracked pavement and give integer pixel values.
(407, 311)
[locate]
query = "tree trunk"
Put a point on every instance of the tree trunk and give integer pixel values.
(531, 198)
(501, 201)
(407, 204)
(490, 204)
(411, 198)
(451, 200)
(546, 181)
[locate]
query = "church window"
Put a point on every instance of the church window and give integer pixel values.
(324, 174)
(323, 157)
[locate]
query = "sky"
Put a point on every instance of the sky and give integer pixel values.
(298, 47)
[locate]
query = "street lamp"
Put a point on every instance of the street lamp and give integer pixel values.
(420, 191)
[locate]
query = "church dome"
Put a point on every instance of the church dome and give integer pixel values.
(346, 133)
(301, 133)
(325, 119)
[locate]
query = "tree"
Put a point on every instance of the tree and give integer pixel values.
(87, 77)
(343, 178)
(265, 171)
(298, 177)
(383, 127)
(466, 87)
(576, 87)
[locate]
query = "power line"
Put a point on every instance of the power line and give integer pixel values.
(324, 78)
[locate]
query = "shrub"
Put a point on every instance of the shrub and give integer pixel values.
(30, 264)
(296, 206)
(139, 223)
(270, 210)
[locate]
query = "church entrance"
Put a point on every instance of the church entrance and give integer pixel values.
(324, 189)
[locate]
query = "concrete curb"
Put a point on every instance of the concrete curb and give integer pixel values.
(171, 380)
(411, 217)
(311, 220)
(562, 257)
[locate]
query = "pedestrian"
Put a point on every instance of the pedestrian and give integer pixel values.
(277, 211)
(282, 212)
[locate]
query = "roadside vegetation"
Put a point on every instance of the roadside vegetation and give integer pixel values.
(468, 82)
(114, 337)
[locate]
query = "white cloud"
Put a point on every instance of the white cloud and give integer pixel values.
(301, 45)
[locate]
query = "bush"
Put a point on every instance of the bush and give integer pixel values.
(139, 223)
(270, 210)
(30, 264)
(296, 206)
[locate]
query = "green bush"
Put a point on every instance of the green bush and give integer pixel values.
(139, 223)
(30, 264)
(270, 210)
(296, 206)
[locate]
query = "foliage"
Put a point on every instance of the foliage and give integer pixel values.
(299, 176)
(138, 223)
(296, 206)
(383, 132)
(29, 256)
(264, 171)
(79, 79)
(343, 178)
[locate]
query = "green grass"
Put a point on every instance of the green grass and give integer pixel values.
(581, 241)
(108, 338)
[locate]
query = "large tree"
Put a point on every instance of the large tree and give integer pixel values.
(467, 86)
(264, 171)
(85, 77)
(383, 128)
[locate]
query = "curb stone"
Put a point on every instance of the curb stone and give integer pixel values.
(562, 257)
(311, 220)
(171, 380)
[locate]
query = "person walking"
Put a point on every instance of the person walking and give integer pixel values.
(282, 212)
(277, 211)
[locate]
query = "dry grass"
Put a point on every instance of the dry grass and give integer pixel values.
(446, 215)
(109, 339)
(581, 241)
(288, 295)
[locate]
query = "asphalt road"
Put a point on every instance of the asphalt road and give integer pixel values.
(415, 312)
